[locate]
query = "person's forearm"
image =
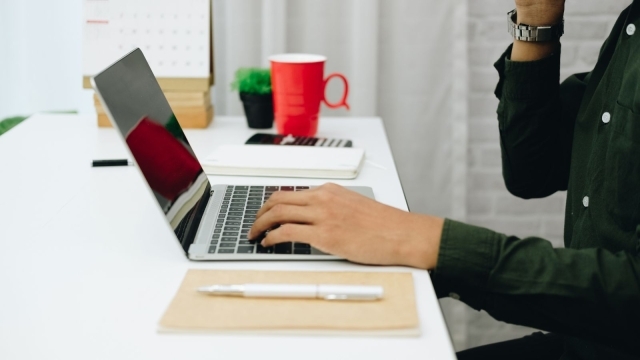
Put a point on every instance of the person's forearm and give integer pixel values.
(537, 15)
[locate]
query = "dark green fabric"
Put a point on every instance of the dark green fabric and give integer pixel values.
(553, 139)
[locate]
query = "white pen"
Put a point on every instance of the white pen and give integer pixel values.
(304, 291)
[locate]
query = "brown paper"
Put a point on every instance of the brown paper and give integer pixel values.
(193, 311)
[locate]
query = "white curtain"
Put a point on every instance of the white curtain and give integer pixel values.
(398, 57)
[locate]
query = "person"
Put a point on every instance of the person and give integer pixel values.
(582, 136)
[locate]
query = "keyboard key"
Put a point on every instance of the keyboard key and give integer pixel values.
(302, 251)
(225, 251)
(244, 231)
(229, 239)
(214, 242)
(217, 231)
(220, 220)
(271, 188)
(231, 228)
(233, 223)
(212, 250)
(230, 233)
(245, 242)
(250, 212)
(302, 188)
(245, 250)
(255, 198)
(242, 188)
(264, 250)
(283, 248)
(227, 198)
(254, 203)
(253, 207)
(219, 226)
(256, 188)
(247, 225)
(301, 246)
(286, 188)
(235, 213)
(216, 236)
(227, 245)
(236, 208)
(226, 202)
(234, 218)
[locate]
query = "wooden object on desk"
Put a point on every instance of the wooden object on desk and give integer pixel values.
(395, 314)
(192, 111)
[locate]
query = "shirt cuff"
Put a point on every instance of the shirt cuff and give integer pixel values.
(466, 257)
(527, 79)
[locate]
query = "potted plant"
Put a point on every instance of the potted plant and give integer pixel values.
(254, 86)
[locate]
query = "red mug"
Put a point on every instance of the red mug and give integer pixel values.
(298, 86)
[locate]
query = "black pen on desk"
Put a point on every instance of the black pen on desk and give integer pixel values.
(111, 162)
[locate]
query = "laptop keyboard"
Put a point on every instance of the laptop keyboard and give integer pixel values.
(237, 214)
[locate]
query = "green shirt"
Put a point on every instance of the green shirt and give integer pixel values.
(582, 136)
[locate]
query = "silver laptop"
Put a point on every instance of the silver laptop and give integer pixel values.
(211, 222)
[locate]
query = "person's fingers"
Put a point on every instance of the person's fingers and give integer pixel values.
(285, 197)
(288, 233)
(280, 214)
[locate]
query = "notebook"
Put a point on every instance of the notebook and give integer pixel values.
(193, 312)
(285, 161)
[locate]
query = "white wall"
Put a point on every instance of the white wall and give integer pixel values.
(40, 56)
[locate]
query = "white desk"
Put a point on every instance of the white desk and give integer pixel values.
(88, 264)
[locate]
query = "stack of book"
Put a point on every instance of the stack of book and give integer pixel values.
(193, 109)
(180, 51)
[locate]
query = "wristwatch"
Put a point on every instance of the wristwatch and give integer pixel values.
(524, 32)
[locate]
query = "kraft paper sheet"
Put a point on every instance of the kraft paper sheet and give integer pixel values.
(191, 311)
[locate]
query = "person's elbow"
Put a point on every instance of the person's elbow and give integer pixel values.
(527, 189)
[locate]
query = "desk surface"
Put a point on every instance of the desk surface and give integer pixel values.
(88, 264)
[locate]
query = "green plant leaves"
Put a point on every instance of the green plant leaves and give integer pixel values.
(252, 81)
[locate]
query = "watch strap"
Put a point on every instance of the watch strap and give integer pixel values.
(524, 32)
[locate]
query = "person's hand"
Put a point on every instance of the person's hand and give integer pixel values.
(347, 224)
(540, 12)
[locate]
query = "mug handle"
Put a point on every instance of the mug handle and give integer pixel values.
(343, 101)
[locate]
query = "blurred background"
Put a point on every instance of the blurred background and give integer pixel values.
(424, 66)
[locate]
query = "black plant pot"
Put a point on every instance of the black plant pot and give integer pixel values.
(258, 109)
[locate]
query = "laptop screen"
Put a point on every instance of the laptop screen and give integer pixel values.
(138, 108)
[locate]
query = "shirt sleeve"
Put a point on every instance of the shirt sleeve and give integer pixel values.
(588, 293)
(536, 116)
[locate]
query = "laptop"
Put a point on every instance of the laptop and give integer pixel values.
(211, 222)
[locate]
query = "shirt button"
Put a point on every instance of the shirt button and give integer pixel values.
(454, 296)
(585, 201)
(606, 117)
(631, 29)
